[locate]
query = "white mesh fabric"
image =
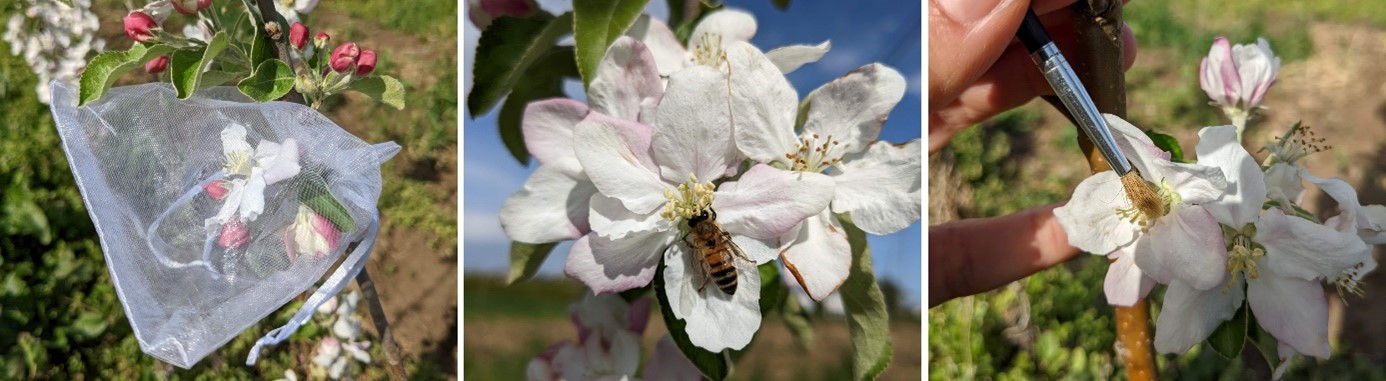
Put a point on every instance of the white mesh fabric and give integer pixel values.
(140, 153)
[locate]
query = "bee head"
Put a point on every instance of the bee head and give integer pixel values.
(704, 216)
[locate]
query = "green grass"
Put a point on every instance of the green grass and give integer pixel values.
(427, 20)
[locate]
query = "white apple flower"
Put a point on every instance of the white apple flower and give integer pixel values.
(250, 171)
(1179, 241)
(669, 363)
(608, 345)
(877, 183)
(553, 205)
(716, 32)
(1237, 77)
(54, 38)
(652, 180)
(335, 353)
(292, 10)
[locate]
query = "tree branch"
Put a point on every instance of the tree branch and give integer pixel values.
(279, 47)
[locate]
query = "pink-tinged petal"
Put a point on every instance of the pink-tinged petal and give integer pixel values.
(234, 235)
(1346, 197)
(1189, 315)
(1257, 67)
(611, 219)
(669, 55)
(548, 129)
(216, 189)
(766, 202)
(1293, 310)
(1138, 148)
(819, 257)
(731, 25)
(791, 57)
(880, 187)
(639, 315)
(763, 105)
(614, 266)
(695, 132)
(1299, 248)
(615, 153)
(715, 320)
(853, 107)
(1219, 147)
(1125, 283)
(1284, 185)
(1186, 245)
(669, 363)
(1218, 74)
(1090, 218)
(616, 352)
(626, 79)
(551, 207)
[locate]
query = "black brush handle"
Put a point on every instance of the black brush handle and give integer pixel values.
(1032, 33)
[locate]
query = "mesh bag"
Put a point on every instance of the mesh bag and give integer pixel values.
(215, 211)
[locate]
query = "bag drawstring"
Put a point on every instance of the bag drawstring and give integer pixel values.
(157, 243)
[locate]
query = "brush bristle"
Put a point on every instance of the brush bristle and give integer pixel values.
(1141, 196)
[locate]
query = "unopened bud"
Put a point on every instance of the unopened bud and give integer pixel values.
(344, 57)
(272, 28)
(137, 26)
(216, 190)
(234, 235)
(157, 65)
(320, 41)
(365, 64)
(298, 35)
(190, 7)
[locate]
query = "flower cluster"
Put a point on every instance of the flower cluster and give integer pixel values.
(1228, 232)
(323, 74)
(608, 345)
(345, 345)
(688, 156)
(54, 37)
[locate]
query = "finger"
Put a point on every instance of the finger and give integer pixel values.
(971, 256)
(1013, 81)
(967, 36)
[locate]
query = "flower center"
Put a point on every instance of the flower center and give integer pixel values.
(815, 153)
(690, 199)
(709, 52)
(1145, 210)
(1297, 143)
(1242, 254)
(1350, 280)
(238, 163)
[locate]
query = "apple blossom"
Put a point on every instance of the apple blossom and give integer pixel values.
(366, 63)
(298, 35)
(717, 31)
(608, 344)
(320, 40)
(482, 12)
(311, 234)
(292, 10)
(190, 7)
(250, 171)
(234, 235)
(1237, 77)
(344, 57)
(54, 38)
(138, 25)
(156, 65)
(216, 189)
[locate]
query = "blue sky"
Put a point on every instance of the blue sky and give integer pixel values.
(862, 32)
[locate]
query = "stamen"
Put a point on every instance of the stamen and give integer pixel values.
(687, 200)
(1298, 142)
(709, 53)
(815, 153)
(1242, 254)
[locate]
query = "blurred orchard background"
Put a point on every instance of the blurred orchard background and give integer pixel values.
(59, 315)
(507, 325)
(1057, 323)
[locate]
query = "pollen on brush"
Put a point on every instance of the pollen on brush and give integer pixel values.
(1141, 196)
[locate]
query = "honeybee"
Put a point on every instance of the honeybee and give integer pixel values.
(714, 250)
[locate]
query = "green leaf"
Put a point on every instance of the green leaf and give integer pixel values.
(506, 50)
(89, 325)
(1230, 337)
(866, 310)
(271, 80)
(314, 193)
(185, 66)
(215, 78)
(1263, 341)
(105, 68)
(525, 259)
(544, 79)
(1168, 144)
(684, 30)
(713, 365)
(772, 290)
(796, 319)
(596, 24)
(383, 88)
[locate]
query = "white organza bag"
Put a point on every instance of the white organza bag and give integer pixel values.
(215, 211)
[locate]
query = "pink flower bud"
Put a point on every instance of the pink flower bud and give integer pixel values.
(298, 35)
(137, 26)
(1238, 76)
(156, 66)
(190, 7)
(215, 189)
(344, 57)
(327, 231)
(321, 39)
(234, 235)
(366, 63)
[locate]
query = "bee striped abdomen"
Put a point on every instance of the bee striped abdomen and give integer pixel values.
(722, 270)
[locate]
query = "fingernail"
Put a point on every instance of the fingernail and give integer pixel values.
(967, 11)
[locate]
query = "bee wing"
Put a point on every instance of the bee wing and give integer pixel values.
(736, 250)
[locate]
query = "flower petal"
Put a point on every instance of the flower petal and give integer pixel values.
(627, 85)
(1241, 205)
(548, 127)
(669, 363)
(695, 131)
(852, 108)
(1186, 245)
(715, 320)
(233, 140)
(1296, 247)
(1257, 67)
(614, 266)
(791, 57)
(1293, 310)
(551, 207)
(879, 187)
(611, 219)
(1090, 218)
(766, 202)
(764, 106)
(669, 55)
(1189, 315)
(731, 25)
(1284, 185)
(282, 162)
(1346, 197)
(1125, 283)
(819, 256)
(1218, 74)
(615, 153)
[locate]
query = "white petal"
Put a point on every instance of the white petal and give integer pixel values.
(1218, 74)
(1189, 315)
(607, 266)
(764, 105)
(1296, 247)
(626, 80)
(612, 220)
(880, 187)
(852, 108)
(615, 154)
(1186, 245)
(669, 55)
(1196, 184)
(548, 129)
(282, 163)
(759, 251)
(790, 58)
(669, 363)
(819, 257)
(1284, 185)
(1125, 283)
(766, 202)
(1219, 147)
(233, 140)
(1293, 310)
(732, 25)
(695, 132)
(1090, 218)
(551, 207)
(1257, 66)
(715, 320)
(231, 203)
(1129, 138)
(1346, 197)
(253, 200)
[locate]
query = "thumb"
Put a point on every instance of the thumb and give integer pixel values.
(965, 39)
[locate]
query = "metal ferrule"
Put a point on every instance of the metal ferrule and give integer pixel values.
(1071, 91)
